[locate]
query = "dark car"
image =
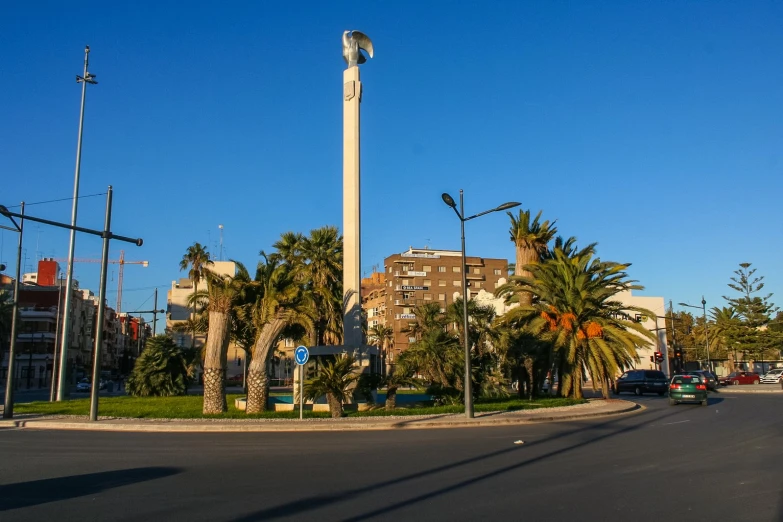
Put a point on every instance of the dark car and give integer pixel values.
(688, 387)
(642, 381)
(740, 378)
(707, 377)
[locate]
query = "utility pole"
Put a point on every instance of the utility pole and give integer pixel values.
(62, 391)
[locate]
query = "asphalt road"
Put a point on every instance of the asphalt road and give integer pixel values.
(683, 463)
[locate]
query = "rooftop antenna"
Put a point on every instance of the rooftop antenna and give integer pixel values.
(221, 241)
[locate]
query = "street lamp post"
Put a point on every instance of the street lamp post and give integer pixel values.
(62, 391)
(706, 338)
(468, 385)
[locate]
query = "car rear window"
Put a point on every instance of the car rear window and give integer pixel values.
(686, 379)
(651, 374)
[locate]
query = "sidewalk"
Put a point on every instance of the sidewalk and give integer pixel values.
(751, 388)
(593, 408)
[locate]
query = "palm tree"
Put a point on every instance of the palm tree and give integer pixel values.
(333, 379)
(399, 374)
(382, 336)
(428, 317)
(223, 292)
(437, 356)
(322, 253)
(530, 239)
(196, 260)
(576, 312)
(725, 323)
(280, 302)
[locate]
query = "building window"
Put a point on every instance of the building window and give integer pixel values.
(496, 271)
(426, 268)
(390, 270)
(455, 269)
(478, 284)
(406, 282)
(476, 270)
(442, 282)
(428, 297)
(427, 282)
(497, 284)
(456, 283)
(441, 269)
(441, 297)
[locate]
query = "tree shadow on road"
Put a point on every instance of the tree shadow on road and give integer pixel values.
(300, 506)
(35, 492)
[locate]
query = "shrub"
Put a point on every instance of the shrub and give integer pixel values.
(161, 370)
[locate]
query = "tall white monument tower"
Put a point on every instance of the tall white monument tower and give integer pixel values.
(354, 43)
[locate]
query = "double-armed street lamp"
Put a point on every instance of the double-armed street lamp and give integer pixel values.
(468, 386)
(706, 339)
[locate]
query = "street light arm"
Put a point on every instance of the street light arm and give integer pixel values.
(479, 214)
(458, 214)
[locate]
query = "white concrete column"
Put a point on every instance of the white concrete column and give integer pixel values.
(352, 93)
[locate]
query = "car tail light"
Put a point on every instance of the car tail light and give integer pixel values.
(701, 387)
(674, 386)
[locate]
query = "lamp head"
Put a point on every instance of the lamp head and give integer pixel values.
(683, 304)
(448, 200)
(510, 204)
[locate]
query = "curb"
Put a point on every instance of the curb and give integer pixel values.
(217, 427)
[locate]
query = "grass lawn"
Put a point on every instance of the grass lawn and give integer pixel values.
(189, 407)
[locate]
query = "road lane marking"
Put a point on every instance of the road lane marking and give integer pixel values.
(678, 422)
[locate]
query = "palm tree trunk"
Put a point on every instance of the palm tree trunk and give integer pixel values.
(605, 388)
(257, 377)
(529, 377)
(391, 397)
(526, 255)
(214, 377)
(193, 319)
(335, 406)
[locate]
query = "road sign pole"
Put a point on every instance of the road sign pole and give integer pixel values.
(301, 355)
(301, 391)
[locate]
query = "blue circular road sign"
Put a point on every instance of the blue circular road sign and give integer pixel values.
(301, 355)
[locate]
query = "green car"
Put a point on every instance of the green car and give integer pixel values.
(687, 388)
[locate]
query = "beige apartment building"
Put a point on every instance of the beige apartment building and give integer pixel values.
(421, 276)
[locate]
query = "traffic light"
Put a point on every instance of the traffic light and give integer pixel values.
(658, 357)
(678, 354)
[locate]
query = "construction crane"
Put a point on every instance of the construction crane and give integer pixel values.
(121, 261)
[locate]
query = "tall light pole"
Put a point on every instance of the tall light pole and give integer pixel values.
(706, 338)
(468, 385)
(62, 390)
(8, 404)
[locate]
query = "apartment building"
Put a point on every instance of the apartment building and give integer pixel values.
(374, 299)
(420, 276)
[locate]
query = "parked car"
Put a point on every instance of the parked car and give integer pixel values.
(707, 377)
(740, 378)
(773, 376)
(83, 385)
(642, 381)
(688, 388)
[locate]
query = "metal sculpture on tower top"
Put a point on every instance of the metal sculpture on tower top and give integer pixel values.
(354, 42)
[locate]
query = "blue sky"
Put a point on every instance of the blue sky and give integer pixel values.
(653, 128)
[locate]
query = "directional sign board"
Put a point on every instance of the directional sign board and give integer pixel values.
(301, 355)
